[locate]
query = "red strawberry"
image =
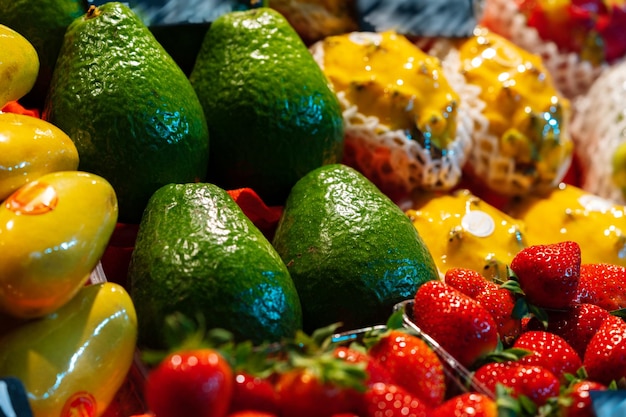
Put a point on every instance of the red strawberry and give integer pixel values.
(253, 393)
(375, 371)
(252, 413)
(550, 351)
(304, 393)
(605, 357)
(469, 404)
(577, 325)
(499, 301)
(462, 326)
(533, 381)
(413, 365)
(579, 400)
(196, 382)
(469, 281)
(389, 400)
(549, 274)
(603, 285)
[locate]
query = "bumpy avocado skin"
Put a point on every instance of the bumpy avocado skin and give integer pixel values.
(271, 113)
(197, 253)
(351, 252)
(128, 107)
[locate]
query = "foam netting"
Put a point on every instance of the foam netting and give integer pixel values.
(598, 127)
(486, 163)
(410, 165)
(572, 75)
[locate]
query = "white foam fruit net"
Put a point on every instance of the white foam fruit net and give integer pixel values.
(598, 128)
(572, 75)
(408, 166)
(487, 164)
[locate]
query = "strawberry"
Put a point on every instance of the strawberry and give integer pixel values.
(252, 413)
(499, 301)
(376, 372)
(412, 364)
(550, 351)
(303, 392)
(532, 381)
(548, 274)
(389, 400)
(469, 281)
(469, 404)
(196, 382)
(578, 398)
(577, 325)
(605, 357)
(603, 285)
(253, 393)
(462, 326)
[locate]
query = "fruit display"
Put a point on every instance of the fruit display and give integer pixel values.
(318, 221)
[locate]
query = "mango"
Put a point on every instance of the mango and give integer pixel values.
(53, 232)
(19, 65)
(29, 148)
(73, 362)
(462, 230)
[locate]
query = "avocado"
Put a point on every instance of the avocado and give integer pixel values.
(198, 254)
(271, 113)
(351, 252)
(44, 24)
(128, 107)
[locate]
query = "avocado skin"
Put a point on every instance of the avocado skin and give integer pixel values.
(43, 23)
(197, 252)
(271, 113)
(128, 107)
(351, 252)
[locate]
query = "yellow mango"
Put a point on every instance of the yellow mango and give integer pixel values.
(73, 362)
(597, 224)
(29, 148)
(19, 65)
(462, 230)
(53, 232)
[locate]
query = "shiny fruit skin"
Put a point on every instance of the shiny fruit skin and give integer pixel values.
(197, 382)
(31, 147)
(253, 393)
(19, 65)
(76, 359)
(412, 364)
(467, 404)
(302, 394)
(53, 232)
(460, 324)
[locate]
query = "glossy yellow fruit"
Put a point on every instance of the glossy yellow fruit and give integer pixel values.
(571, 213)
(461, 230)
(19, 65)
(29, 148)
(74, 361)
(53, 232)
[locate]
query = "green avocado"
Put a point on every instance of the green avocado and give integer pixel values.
(351, 252)
(128, 107)
(43, 23)
(197, 253)
(270, 109)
